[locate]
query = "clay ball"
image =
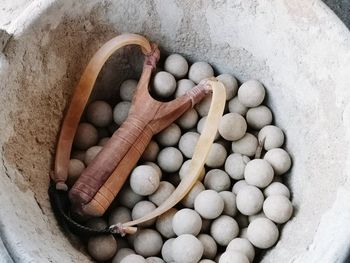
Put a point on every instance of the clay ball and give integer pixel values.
(91, 153)
(247, 145)
(133, 259)
(217, 156)
(238, 186)
(85, 136)
(127, 89)
(230, 83)
(232, 126)
(187, 221)
(103, 141)
(276, 188)
(75, 168)
(167, 250)
(209, 246)
(258, 172)
(251, 93)
(184, 170)
(122, 253)
(272, 136)
(199, 71)
(187, 249)
(154, 260)
(141, 209)
(259, 117)
(203, 107)
(230, 207)
(206, 261)
(102, 247)
(170, 159)
(256, 216)
(188, 142)
(144, 180)
(170, 136)
(121, 111)
(278, 208)
(224, 229)
(279, 160)
(244, 246)
(188, 120)
(183, 85)
(235, 106)
(262, 233)
(119, 214)
(99, 113)
(156, 167)
(151, 152)
(209, 204)
(164, 190)
(235, 165)
(164, 223)
(188, 200)
(217, 180)
(249, 200)
(176, 65)
(128, 198)
(200, 126)
(231, 256)
(164, 84)
(148, 242)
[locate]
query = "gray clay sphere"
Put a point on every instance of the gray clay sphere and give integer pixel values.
(199, 71)
(170, 136)
(251, 93)
(217, 156)
(154, 260)
(176, 65)
(235, 106)
(272, 136)
(217, 180)
(203, 107)
(277, 188)
(235, 165)
(156, 167)
(75, 168)
(128, 198)
(258, 172)
(151, 152)
(200, 126)
(259, 117)
(85, 136)
(102, 247)
(170, 159)
(164, 223)
(144, 180)
(262, 233)
(249, 200)
(230, 207)
(120, 214)
(99, 113)
(122, 253)
(232, 126)
(209, 246)
(134, 259)
(121, 111)
(163, 192)
(167, 250)
(141, 209)
(164, 84)
(183, 85)
(230, 83)
(148, 242)
(256, 216)
(185, 169)
(91, 153)
(209, 204)
(224, 229)
(187, 221)
(187, 249)
(188, 120)
(247, 145)
(206, 261)
(279, 160)
(127, 89)
(231, 256)
(238, 186)
(188, 142)
(189, 199)
(244, 246)
(278, 208)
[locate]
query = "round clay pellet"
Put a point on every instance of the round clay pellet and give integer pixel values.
(230, 83)
(148, 242)
(224, 229)
(217, 180)
(199, 71)
(231, 256)
(235, 165)
(188, 142)
(279, 160)
(230, 207)
(85, 136)
(170, 136)
(133, 259)
(259, 117)
(272, 136)
(276, 188)
(128, 198)
(187, 249)
(258, 172)
(75, 168)
(151, 152)
(119, 214)
(262, 233)
(91, 153)
(278, 208)
(203, 107)
(256, 216)
(127, 89)
(249, 200)
(154, 260)
(206, 261)
(183, 85)
(209, 204)
(164, 84)
(200, 127)
(238, 186)
(244, 246)
(156, 167)
(188, 200)
(170, 159)
(167, 250)
(141, 209)
(164, 190)
(217, 156)
(122, 253)
(176, 65)
(102, 247)
(188, 120)
(251, 93)
(187, 221)
(164, 223)
(232, 126)
(184, 170)
(121, 111)
(209, 246)
(247, 145)
(99, 113)
(144, 180)
(235, 106)
(103, 141)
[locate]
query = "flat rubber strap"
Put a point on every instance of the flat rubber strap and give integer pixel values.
(80, 99)
(200, 154)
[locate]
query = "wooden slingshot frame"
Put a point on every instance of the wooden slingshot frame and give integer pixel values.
(103, 178)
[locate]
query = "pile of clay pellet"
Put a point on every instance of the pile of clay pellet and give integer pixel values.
(238, 205)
